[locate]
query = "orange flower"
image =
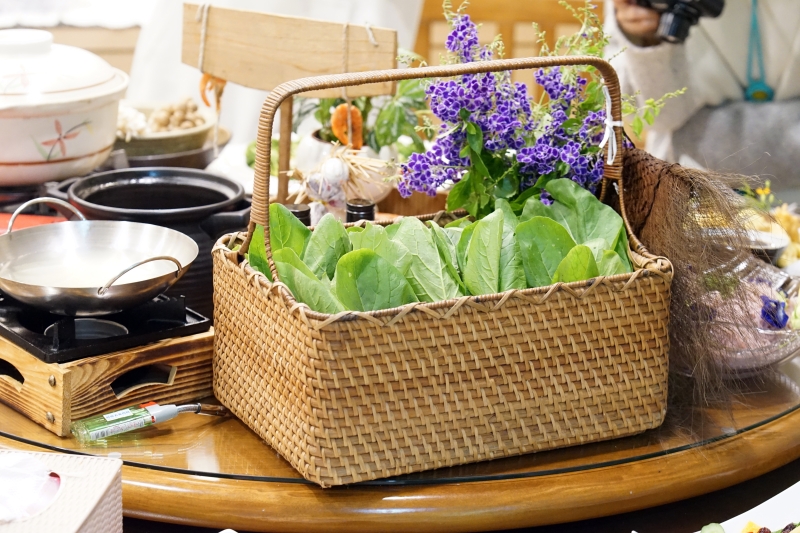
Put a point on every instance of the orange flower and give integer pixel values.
(339, 125)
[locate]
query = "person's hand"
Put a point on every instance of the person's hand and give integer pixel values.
(639, 24)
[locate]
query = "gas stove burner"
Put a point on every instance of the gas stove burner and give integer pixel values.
(89, 329)
(58, 339)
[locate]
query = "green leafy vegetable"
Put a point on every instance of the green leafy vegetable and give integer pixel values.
(375, 238)
(512, 274)
(610, 264)
(367, 282)
(463, 246)
(460, 223)
(328, 242)
(285, 231)
(544, 243)
(305, 287)
(578, 265)
(447, 251)
(482, 271)
(428, 274)
(257, 254)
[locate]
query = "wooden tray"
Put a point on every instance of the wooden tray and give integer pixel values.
(53, 395)
(216, 473)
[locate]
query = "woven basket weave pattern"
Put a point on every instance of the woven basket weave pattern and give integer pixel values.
(360, 396)
(356, 399)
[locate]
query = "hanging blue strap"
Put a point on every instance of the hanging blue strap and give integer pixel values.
(757, 89)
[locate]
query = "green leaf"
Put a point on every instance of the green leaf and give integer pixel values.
(482, 271)
(637, 125)
(427, 273)
(305, 287)
(389, 123)
(621, 248)
(285, 231)
(578, 265)
(391, 230)
(454, 234)
(461, 193)
(447, 252)
(610, 264)
(376, 238)
(459, 223)
(508, 184)
(512, 274)
(463, 246)
(583, 215)
(543, 243)
(474, 137)
(257, 253)
(534, 208)
(518, 203)
(477, 163)
(354, 229)
(365, 281)
(329, 241)
(597, 246)
(649, 116)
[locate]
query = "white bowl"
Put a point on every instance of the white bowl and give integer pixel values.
(58, 108)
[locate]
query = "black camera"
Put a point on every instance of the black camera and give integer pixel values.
(677, 16)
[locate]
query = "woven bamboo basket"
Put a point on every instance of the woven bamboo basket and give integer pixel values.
(359, 396)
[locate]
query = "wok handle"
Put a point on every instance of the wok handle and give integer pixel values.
(104, 289)
(43, 200)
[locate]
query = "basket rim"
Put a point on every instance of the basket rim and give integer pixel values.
(644, 267)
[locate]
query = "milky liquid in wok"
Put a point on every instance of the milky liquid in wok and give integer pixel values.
(92, 268)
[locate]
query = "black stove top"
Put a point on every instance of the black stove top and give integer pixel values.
(58, 339)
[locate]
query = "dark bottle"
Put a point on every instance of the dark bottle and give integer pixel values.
(360, 209)
(301, 211)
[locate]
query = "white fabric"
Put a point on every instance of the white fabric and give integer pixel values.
(158, 74)
(112, 14)
(698, 65)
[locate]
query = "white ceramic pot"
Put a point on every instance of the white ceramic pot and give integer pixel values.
(58, 108)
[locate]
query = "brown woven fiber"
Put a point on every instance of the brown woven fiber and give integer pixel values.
(359, 396)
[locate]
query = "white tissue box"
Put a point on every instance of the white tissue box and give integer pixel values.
(89, 498)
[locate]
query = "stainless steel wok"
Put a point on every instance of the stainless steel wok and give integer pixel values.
(90, 268)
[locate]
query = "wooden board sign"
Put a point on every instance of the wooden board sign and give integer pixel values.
(261, 51)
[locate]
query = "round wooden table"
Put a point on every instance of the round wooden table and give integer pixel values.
(214, 472)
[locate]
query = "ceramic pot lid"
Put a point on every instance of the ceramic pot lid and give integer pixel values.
(30, 64)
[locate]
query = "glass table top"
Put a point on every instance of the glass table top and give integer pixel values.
(225, 448)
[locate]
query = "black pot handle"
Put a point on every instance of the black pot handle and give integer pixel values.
(219, 224)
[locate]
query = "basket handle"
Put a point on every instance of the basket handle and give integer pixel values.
(260, 208)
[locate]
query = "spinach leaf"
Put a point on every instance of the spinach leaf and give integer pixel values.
(367, 282)
(355, 229)
(482, 271)
(622, 249)
(391, 229)
(428, 273)
(584, 216)
(328, 242)
(257, 253)
(285, 231)
(463, 246)
(512, 274)
(460, 223)
(578, 265)
(305, 287)
(544, 243)
(454, 235)
(597, 246)
(375, 238)
(610, 264)
(447, 251)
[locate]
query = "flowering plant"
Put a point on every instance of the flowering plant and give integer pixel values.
(494, 142)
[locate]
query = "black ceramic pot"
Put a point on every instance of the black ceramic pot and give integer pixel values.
(194, 202)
